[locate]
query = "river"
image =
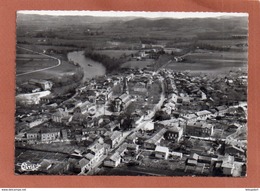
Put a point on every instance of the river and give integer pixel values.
(90, 67)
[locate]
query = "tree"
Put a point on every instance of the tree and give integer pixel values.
(160, 116)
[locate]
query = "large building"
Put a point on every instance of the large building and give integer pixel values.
(174, 134)
(199, 129)
(43, 84)
(121, 102)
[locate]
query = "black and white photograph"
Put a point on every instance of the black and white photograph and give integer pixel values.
(117, 93)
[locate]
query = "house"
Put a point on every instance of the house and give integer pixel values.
(82, 108)
(49, 135)
(221, 110)
(177, 154)
(32, 137)
(227, 168)
(92, 139)
(112, 126)
(203, 115)
(78, 119)
(227, 165)
(122, 149)
(191, 162)
(37, 122)
(64, 134)
(84, 165)
(113, 161)
(154, 140)
(194, 156)
(45, 134)
(48, 99)
(80, 165)
(132, 147)
(98, 150)
(92, 95)
(114, 138)
(199, 129)
(97, 131)
(205, 160)
(162, 152)
(184, 100)
(92, 157)
(174, 133)
(132, 138)
(166, 123)
(59, 115)
(190, 117)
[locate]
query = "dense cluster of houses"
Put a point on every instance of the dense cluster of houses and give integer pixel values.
(94, 119)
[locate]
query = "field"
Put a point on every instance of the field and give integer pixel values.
(25, 65)
(226, 42)
(30, 56)
(218, 55)
(206, 67)
(211, 61)
(122, 37)
(65, 69)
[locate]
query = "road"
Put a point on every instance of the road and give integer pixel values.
(43, 69)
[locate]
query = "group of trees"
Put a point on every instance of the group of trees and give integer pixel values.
(68, 79)
(212, 47)
(93, 33)
(111, 64)
(68, 83)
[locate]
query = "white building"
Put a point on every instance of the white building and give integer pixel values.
(162, 152)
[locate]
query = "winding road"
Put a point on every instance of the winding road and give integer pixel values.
(39, 70)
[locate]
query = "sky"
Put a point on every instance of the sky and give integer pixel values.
(136, 14)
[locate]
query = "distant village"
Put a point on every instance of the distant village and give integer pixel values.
(155, 122)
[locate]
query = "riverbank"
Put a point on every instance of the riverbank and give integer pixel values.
(90, 67)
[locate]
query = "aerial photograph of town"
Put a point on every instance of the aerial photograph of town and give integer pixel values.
(109, 93)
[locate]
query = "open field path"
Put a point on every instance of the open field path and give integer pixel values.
(43, 69)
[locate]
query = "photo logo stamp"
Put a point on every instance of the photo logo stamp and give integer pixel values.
(28, 166)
